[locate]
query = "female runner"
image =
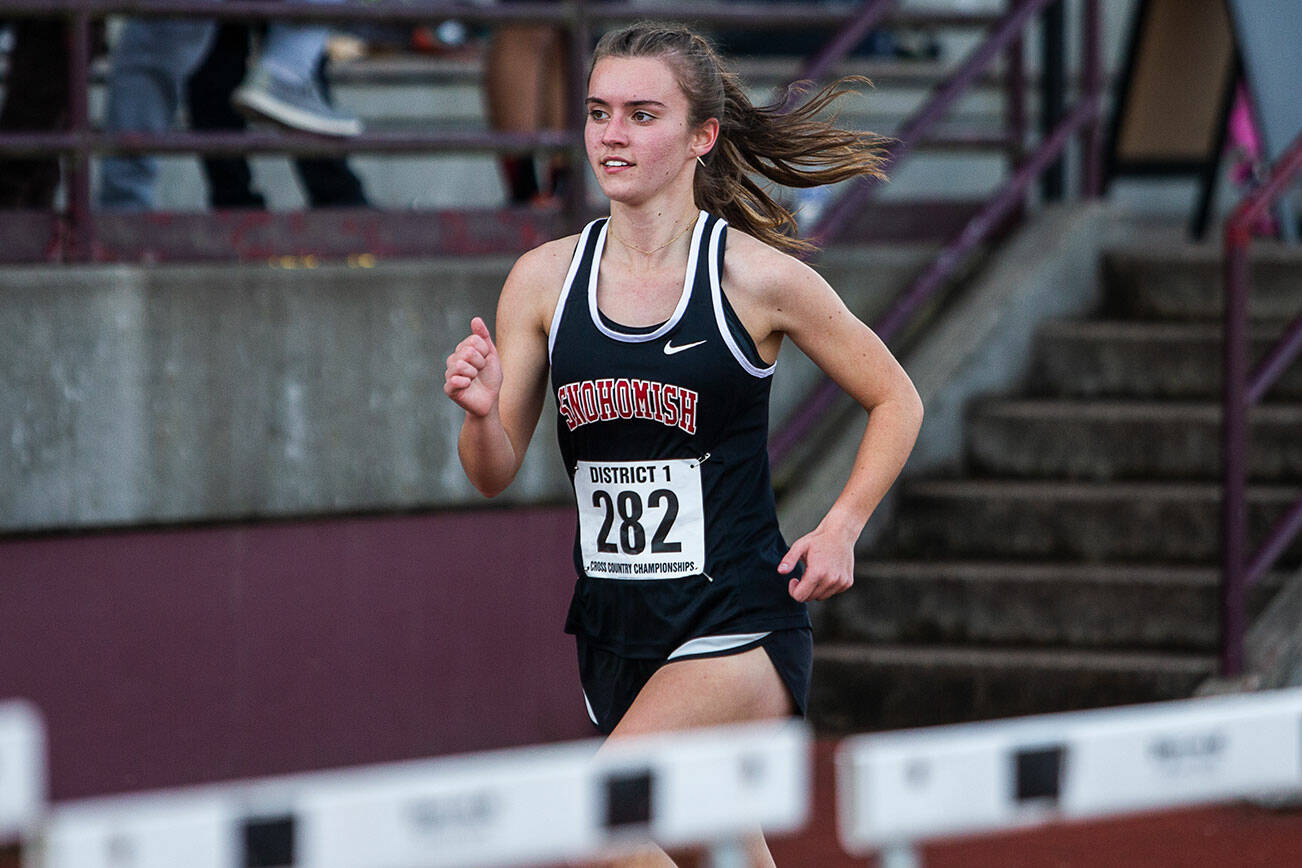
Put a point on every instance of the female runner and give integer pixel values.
(658, 328)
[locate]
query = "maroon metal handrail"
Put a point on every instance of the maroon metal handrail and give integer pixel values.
(80, 142)
(791, 15)
(1005, 36)
(1242, 389)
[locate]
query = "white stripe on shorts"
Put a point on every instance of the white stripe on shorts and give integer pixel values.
(714, 644)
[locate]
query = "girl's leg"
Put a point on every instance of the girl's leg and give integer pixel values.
(523, 61)
(707, 691)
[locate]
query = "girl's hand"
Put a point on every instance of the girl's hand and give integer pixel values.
(829, 564)
(474, 374)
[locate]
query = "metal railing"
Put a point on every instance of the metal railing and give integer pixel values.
(1083, 120)
(1244, 388)
(80, 142)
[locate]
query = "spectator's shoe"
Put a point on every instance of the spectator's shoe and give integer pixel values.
(297, 105)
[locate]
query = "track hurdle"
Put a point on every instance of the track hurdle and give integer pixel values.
(901, 788)
(523, 806)
(23, 786)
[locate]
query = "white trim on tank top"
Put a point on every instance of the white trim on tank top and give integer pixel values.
(688, 280)
(716, 298)
(565, 287)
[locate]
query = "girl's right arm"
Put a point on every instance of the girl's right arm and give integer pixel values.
(500, 384)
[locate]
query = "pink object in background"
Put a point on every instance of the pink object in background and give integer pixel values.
(1245, 150)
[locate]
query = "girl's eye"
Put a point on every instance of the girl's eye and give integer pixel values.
(642, 117)
(597, 114)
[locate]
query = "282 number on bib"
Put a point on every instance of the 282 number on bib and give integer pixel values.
(632, 536)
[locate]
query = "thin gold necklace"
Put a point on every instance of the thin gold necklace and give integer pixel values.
(681, 233)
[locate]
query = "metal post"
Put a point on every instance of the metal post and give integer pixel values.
(1015, 108)
(1091, 139)
(1053, 79)
(1234, 451)
(729, 854)
(579, 55)
(1015, 100)
(900, 855)
(81, 226)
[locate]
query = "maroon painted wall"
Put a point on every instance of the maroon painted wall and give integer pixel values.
(175, 656)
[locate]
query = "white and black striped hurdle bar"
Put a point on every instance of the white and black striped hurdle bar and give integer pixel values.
(900, 788)
(525, 806)
(533, 805)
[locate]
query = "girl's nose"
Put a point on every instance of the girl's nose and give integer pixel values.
(613, 132)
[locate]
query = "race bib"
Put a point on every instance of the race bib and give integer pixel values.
(641, 519)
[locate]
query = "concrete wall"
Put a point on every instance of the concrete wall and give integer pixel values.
(142, 395)
(138, 395)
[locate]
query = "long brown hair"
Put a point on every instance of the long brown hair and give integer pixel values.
(793, 148)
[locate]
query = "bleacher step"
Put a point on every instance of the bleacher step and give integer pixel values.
(1186, 282)
(859, 688)
(1108, 439)
(1166, 360)
(1033, 604)
(1177, 522)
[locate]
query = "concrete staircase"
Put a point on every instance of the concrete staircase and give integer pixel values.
(1073, 562)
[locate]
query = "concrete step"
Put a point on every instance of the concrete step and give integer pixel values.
(1012, 603)
(1087, 521)
(1107, 440)
(1185, 282)
(1170, 360)
(862, 687)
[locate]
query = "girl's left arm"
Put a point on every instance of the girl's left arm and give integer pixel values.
(801, 305)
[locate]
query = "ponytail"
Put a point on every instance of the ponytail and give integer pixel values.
(793, 148)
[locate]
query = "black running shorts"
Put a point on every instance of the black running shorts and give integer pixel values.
(611, 682)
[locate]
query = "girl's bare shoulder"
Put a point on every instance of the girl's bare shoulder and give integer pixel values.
(546, 260)
(535, 281)
(762, 274)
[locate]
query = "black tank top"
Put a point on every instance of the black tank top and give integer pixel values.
(664, 434)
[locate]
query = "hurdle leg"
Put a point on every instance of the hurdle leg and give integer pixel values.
(729, 854)
(900, 855)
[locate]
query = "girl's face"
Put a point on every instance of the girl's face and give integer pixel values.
(638, 136)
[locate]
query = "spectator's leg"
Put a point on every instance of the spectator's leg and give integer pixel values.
(292, 51)
(518, 89)
(329, 181)
(151, 61)
(36, 98)
(208, 96)
(280, 86)
(555, 109)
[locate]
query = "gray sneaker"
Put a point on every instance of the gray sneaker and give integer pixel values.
(297, 105)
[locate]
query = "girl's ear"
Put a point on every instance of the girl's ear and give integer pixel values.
(704, 138)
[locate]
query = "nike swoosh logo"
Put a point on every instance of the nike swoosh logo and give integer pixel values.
(670, 349)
